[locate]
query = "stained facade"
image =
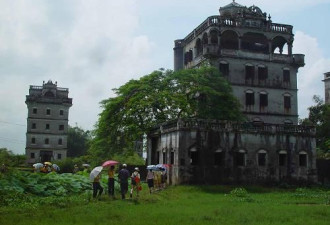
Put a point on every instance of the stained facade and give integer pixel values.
(47, 122)
(255, 56)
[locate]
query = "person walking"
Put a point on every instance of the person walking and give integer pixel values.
(135, 182)
(150, 180)
(111, 181)
(97, 188)
(123, 176)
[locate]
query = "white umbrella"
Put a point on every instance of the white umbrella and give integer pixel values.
(95, 172)
(38, 165)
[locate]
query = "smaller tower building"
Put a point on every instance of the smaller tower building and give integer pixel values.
(47, 122)
(327, 87)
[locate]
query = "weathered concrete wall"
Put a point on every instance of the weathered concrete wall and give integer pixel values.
(223, 152)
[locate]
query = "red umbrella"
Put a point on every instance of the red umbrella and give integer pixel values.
(109, 163)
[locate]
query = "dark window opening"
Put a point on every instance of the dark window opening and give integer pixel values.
(286, 76)
(172, 157)
(47, 126)
(157, 157)
(48, 111)
(59, 156)
(282, 159)
(194, 158)
(34, 126)
(249, 72)
(34, 110)
(262, 159)
(240, 159)
(61, 112)
(46, 141)
(249, 98)
(303, 160)
(287, 102)
(224, 69)
(32, 155)
(205, 39)
(218, 158)
(60, 141)
(61, 127)
(263, 100)
(214, 37)
(33, 140)
(164, 158)
(262, 73)
(199, 47)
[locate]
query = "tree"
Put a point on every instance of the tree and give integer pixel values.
(78, 141)
(8, 158)
(319, 116)
(161, 96)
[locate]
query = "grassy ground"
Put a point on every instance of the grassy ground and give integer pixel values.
(183, 205)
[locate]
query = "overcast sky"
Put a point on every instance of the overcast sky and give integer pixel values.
(93, 46)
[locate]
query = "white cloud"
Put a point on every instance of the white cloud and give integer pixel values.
(310, 76)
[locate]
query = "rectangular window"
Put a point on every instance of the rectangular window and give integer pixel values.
(60, 141)
(303, 160)
(164, 158)
(262, 159)
(61, 112)
(172, 157)
(224, 69)
(47, 126)
(32, 155)
(59, 156)
(34, 110)
(282, 159)
(61, 127)
(249, 98)
(240, 159)
(48, 112)
(262, 73)
(218, 158)
(33, 140)
(286, 76)
(194, 158)
(34, 126)
(249, 72)
(46, 141)
(287, 102)
(263, 100)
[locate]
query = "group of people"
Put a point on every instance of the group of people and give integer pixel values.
(155, 179)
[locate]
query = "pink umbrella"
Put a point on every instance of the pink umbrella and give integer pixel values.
(109, 163)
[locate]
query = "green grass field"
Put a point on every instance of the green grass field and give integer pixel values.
(180, 205)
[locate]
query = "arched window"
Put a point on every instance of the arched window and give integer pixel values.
(240, 157)
(282, 158)
(214, 36)
(263, 100)
(193, 156)
(262, 73)
(219, 157)
(224, 68)
(287, 102)
(262, 157)
(249, 72)
(249, 97)
(229, 40)
(205, 39)
(303, 159)
(199, 47)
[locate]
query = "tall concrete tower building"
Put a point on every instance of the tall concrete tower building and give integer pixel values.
(327, 87)
(47, 122)
(253, 54)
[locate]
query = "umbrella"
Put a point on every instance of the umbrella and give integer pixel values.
(85, 165)
(56, 167)
(38, 165)
(48, 163)
(110, 163)
(95, 172)
(152, 167)
(162, 166)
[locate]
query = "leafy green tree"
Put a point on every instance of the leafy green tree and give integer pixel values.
(161, 96)
(8, 158)
(78, 141)
(319, 116)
